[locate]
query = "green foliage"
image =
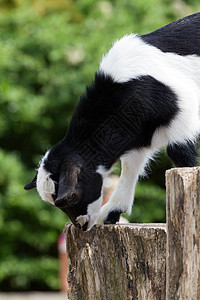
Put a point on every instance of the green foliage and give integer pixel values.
(29, 231)
(49, 51)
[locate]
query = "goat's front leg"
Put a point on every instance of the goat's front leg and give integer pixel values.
(121, 200)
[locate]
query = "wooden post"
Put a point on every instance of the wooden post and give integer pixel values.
(116, 262)
(128, 261)
(183, 230)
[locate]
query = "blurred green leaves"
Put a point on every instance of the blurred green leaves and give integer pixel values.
(29, 229)
(49, 51)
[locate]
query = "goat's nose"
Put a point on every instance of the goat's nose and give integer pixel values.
(60, 202)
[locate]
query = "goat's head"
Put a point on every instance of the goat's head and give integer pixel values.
(71, 185)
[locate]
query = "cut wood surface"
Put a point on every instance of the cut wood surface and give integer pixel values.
(183, 227)
(117, 262)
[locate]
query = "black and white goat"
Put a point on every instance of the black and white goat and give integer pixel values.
(145, 95)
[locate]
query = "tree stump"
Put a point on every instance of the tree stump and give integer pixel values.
(129, 261)
(117, 262)
(183, 227)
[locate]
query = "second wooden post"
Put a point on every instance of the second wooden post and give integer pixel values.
(183, 234)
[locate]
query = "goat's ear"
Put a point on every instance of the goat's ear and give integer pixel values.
(67, 192)
(32, 184)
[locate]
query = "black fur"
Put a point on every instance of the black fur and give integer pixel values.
(177, 37)
(113, 118)
(183, 155)
(113, 217)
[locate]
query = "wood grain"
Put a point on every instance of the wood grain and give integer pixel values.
(183, 234)
(117, 262)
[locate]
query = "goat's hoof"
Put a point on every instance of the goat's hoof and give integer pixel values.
(113, 217)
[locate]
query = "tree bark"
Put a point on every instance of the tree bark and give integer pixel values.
(118, 262)
(183, 229)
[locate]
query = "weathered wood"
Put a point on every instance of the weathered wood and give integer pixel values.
(117, 262)
(183, 229)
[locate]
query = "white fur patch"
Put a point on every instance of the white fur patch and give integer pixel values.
(103, 172)
(133, 164)
(44, 184)
(131, 57)
(94, 211)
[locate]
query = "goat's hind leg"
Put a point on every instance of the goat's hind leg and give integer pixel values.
(184, 154)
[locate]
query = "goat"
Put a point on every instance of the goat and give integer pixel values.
(144, 96)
